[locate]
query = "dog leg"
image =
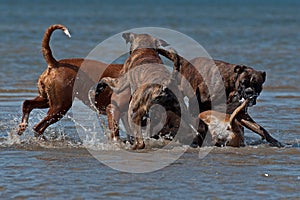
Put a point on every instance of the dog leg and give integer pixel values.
(135, 123)
(249, 123)
(28, 106)
(54, 114)
(119, 104)
(113, 116)
(124, 118)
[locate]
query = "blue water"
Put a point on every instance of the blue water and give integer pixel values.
(264, 35)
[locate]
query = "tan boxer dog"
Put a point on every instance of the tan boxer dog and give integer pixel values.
(56, 85)
(240, 82)
(225, 129)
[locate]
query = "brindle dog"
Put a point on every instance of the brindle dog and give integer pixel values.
(144, 74)
(56, 85)
(143, 111)
(141, 102)
(239, 83)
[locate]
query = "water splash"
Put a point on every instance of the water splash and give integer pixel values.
(64, 135)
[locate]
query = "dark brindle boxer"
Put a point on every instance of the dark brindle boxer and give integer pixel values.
(56, 85)
(225, 129)
(239, 82)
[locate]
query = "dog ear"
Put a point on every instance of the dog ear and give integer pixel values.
(160, 42)
(128, 37)
(239, 69)
(264, 74)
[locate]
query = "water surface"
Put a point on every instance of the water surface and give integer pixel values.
(264, 35)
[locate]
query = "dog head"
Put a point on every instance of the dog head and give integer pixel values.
(143, 41)
(249, 83)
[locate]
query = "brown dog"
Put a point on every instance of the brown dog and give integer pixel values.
(225, 129)
(239, 83)
(56, 85)
(143, 74)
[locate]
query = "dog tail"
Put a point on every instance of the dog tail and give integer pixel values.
(237, 111)
(178, 61)
(47, 53)
(172, 55)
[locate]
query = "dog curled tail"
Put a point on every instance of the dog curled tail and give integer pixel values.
(47, 53)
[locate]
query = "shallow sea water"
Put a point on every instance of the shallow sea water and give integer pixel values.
(263, 35)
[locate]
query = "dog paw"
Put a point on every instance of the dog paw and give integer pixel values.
(137, 146)
(274, 142)
(277, 144)
(116, 139)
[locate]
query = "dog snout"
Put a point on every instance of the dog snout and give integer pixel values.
(252, 99)
(249, 92)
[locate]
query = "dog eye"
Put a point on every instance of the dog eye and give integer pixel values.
(244, 82)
